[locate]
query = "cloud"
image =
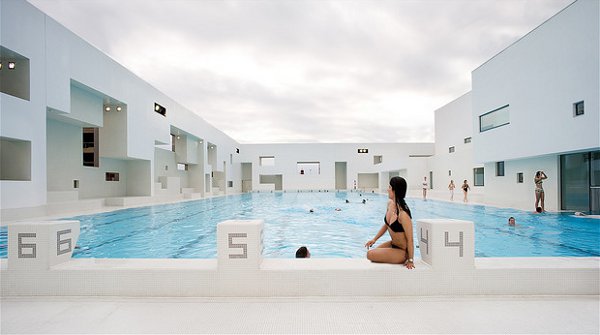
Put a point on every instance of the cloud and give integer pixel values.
(306, 71)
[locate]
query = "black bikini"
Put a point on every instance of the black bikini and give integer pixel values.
(396, 226)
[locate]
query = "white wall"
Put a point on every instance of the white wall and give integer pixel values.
(504, 191)
(86, 107)
(166, 165)
(113, 134)
(452, 125)
(22, 31)
(540, 77)
(139, 178)
(395, 157)
(65, 155)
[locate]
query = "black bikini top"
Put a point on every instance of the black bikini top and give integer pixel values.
(396, 226)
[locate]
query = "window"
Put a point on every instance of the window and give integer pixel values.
(230, 183)
(499, 169)
(173, 140)
(497, 118)
(14, 74)
(431, 180)
(449, 173)
(15, 159)
(182, 167)
(75, 183)
(267, 160)
(112, 176)
(451, 149)
(467, 140)
(578, 108)
(308, 168)
(90, 147)
(363, 151)
(377, 160)
(237, 150)
(520, 177)
(160, 109)
(478, 176)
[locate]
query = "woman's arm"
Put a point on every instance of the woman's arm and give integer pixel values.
(379, 234)
(410, 245)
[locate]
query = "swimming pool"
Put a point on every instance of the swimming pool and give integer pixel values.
(188, 229)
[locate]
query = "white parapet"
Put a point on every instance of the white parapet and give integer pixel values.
(240, 244)
(447, 244)
(40, 245)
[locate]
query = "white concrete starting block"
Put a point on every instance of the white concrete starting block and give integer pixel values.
(240, 244)
(40, 245)
(447, 244)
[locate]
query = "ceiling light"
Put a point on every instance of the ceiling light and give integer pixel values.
(177, 136)
(0, 65)
(156, 107)
(119, 108)
(107, 108)
(11, 65)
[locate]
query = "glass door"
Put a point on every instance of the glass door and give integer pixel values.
(580, 182)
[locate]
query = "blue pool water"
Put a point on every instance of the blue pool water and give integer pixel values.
(188, 229)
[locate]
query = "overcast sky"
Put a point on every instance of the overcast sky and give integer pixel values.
(306, 71)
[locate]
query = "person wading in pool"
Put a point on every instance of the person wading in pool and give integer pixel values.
(398, 223)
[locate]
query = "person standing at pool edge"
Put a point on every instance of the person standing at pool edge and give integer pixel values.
(398, 223)
(425, 185)
(451, 187)
(465, 187)
(539, 190)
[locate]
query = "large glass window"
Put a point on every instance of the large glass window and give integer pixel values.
(478, 176)
(595, 169)
(494, 119)
(574, 182)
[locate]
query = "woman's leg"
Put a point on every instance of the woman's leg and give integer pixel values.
(537, 199)
(542, 200)
(386, 254)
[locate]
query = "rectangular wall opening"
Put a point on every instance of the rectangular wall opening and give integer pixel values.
(266, 160)
(90, 147)
(15, 159)
(309, 168)
(14, 74)
(341, 176)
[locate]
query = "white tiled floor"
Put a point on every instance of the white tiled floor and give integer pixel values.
(466, 314)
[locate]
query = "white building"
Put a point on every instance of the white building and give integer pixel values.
(79, 130)
(534, 106)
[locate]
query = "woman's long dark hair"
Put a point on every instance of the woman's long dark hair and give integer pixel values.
(399, 187)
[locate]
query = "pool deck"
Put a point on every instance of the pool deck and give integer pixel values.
(302, 315)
